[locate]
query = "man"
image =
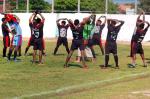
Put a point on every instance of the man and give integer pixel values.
(17, 37)
(77, 42)
(138, 21)
(31, 40)
(137, 45)
(37, 29)
(6, 38)
(62, 39)
(96, 38)
(88, 27)
(114, 27)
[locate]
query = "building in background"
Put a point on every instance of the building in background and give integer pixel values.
(126, 6)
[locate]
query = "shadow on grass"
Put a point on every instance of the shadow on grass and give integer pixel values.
(111, 66)
(30, 54)
(148, 62)
(147, 58)
(59, 54)
(75, 65)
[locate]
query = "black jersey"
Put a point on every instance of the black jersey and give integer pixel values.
(98, 29)
(77, 32)
(37, 30)
(113, 33)
(139, 36)
(62, 30)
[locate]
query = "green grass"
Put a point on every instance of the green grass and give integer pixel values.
(24, 78)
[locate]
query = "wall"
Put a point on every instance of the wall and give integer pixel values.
(50, 28)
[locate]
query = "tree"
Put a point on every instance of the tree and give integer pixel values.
(69, 5)
(33, 5)
(85, 5)
(144, 4)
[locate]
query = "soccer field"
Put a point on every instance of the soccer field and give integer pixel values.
(24, 80)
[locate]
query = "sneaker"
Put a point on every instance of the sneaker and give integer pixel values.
(117, 67)
(145, 65)
(85, 67)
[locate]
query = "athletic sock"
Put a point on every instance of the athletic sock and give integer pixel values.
(15, 54)
(4, 52)
(116, 60)
(106, 60)
(26, 50)
(93, 53)
(9, 54)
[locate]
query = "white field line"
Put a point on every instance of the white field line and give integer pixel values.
(78, 86)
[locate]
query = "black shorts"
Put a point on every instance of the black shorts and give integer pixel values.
(96, 39)
(38, 44)
(110, 47)
(62, 40)
(77, 44)
(137, 48)
(6, 41)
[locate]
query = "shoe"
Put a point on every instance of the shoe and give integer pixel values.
(145, 65)
(117, 67)
(41, 63)
(103, 67)
(85, 67)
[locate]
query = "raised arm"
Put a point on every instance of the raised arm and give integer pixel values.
(120, 23)
(147, 24)
(138, 18)
(32, 17)
(93, 18)
(43, 19)
(104, 19)
(70, 23)
(57, 21)
(109, 21)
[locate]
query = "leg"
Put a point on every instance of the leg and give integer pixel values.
(34, 55)
(133, 59)
(67, 48)
(56, 49)
(93, 53)
(10, 52)
(106, 60)
(19, 50)
(83, 60)
(59, 42)
(68, 58)
(101, 47)
(116, 60)
(4, 51)
(143, 59)
(15, 52)
(27, 48)
(40, 57)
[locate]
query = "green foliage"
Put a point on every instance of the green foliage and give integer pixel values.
(70, 5)
(33, 4)
(144, 4)
(85, 5)
(39, 4)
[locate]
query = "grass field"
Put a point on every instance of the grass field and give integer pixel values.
(24, 80)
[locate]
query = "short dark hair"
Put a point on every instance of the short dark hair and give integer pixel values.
(113, 22)
(76, 22)
(63, 22)
(142, 25)
(3, 19)
(38, 20)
